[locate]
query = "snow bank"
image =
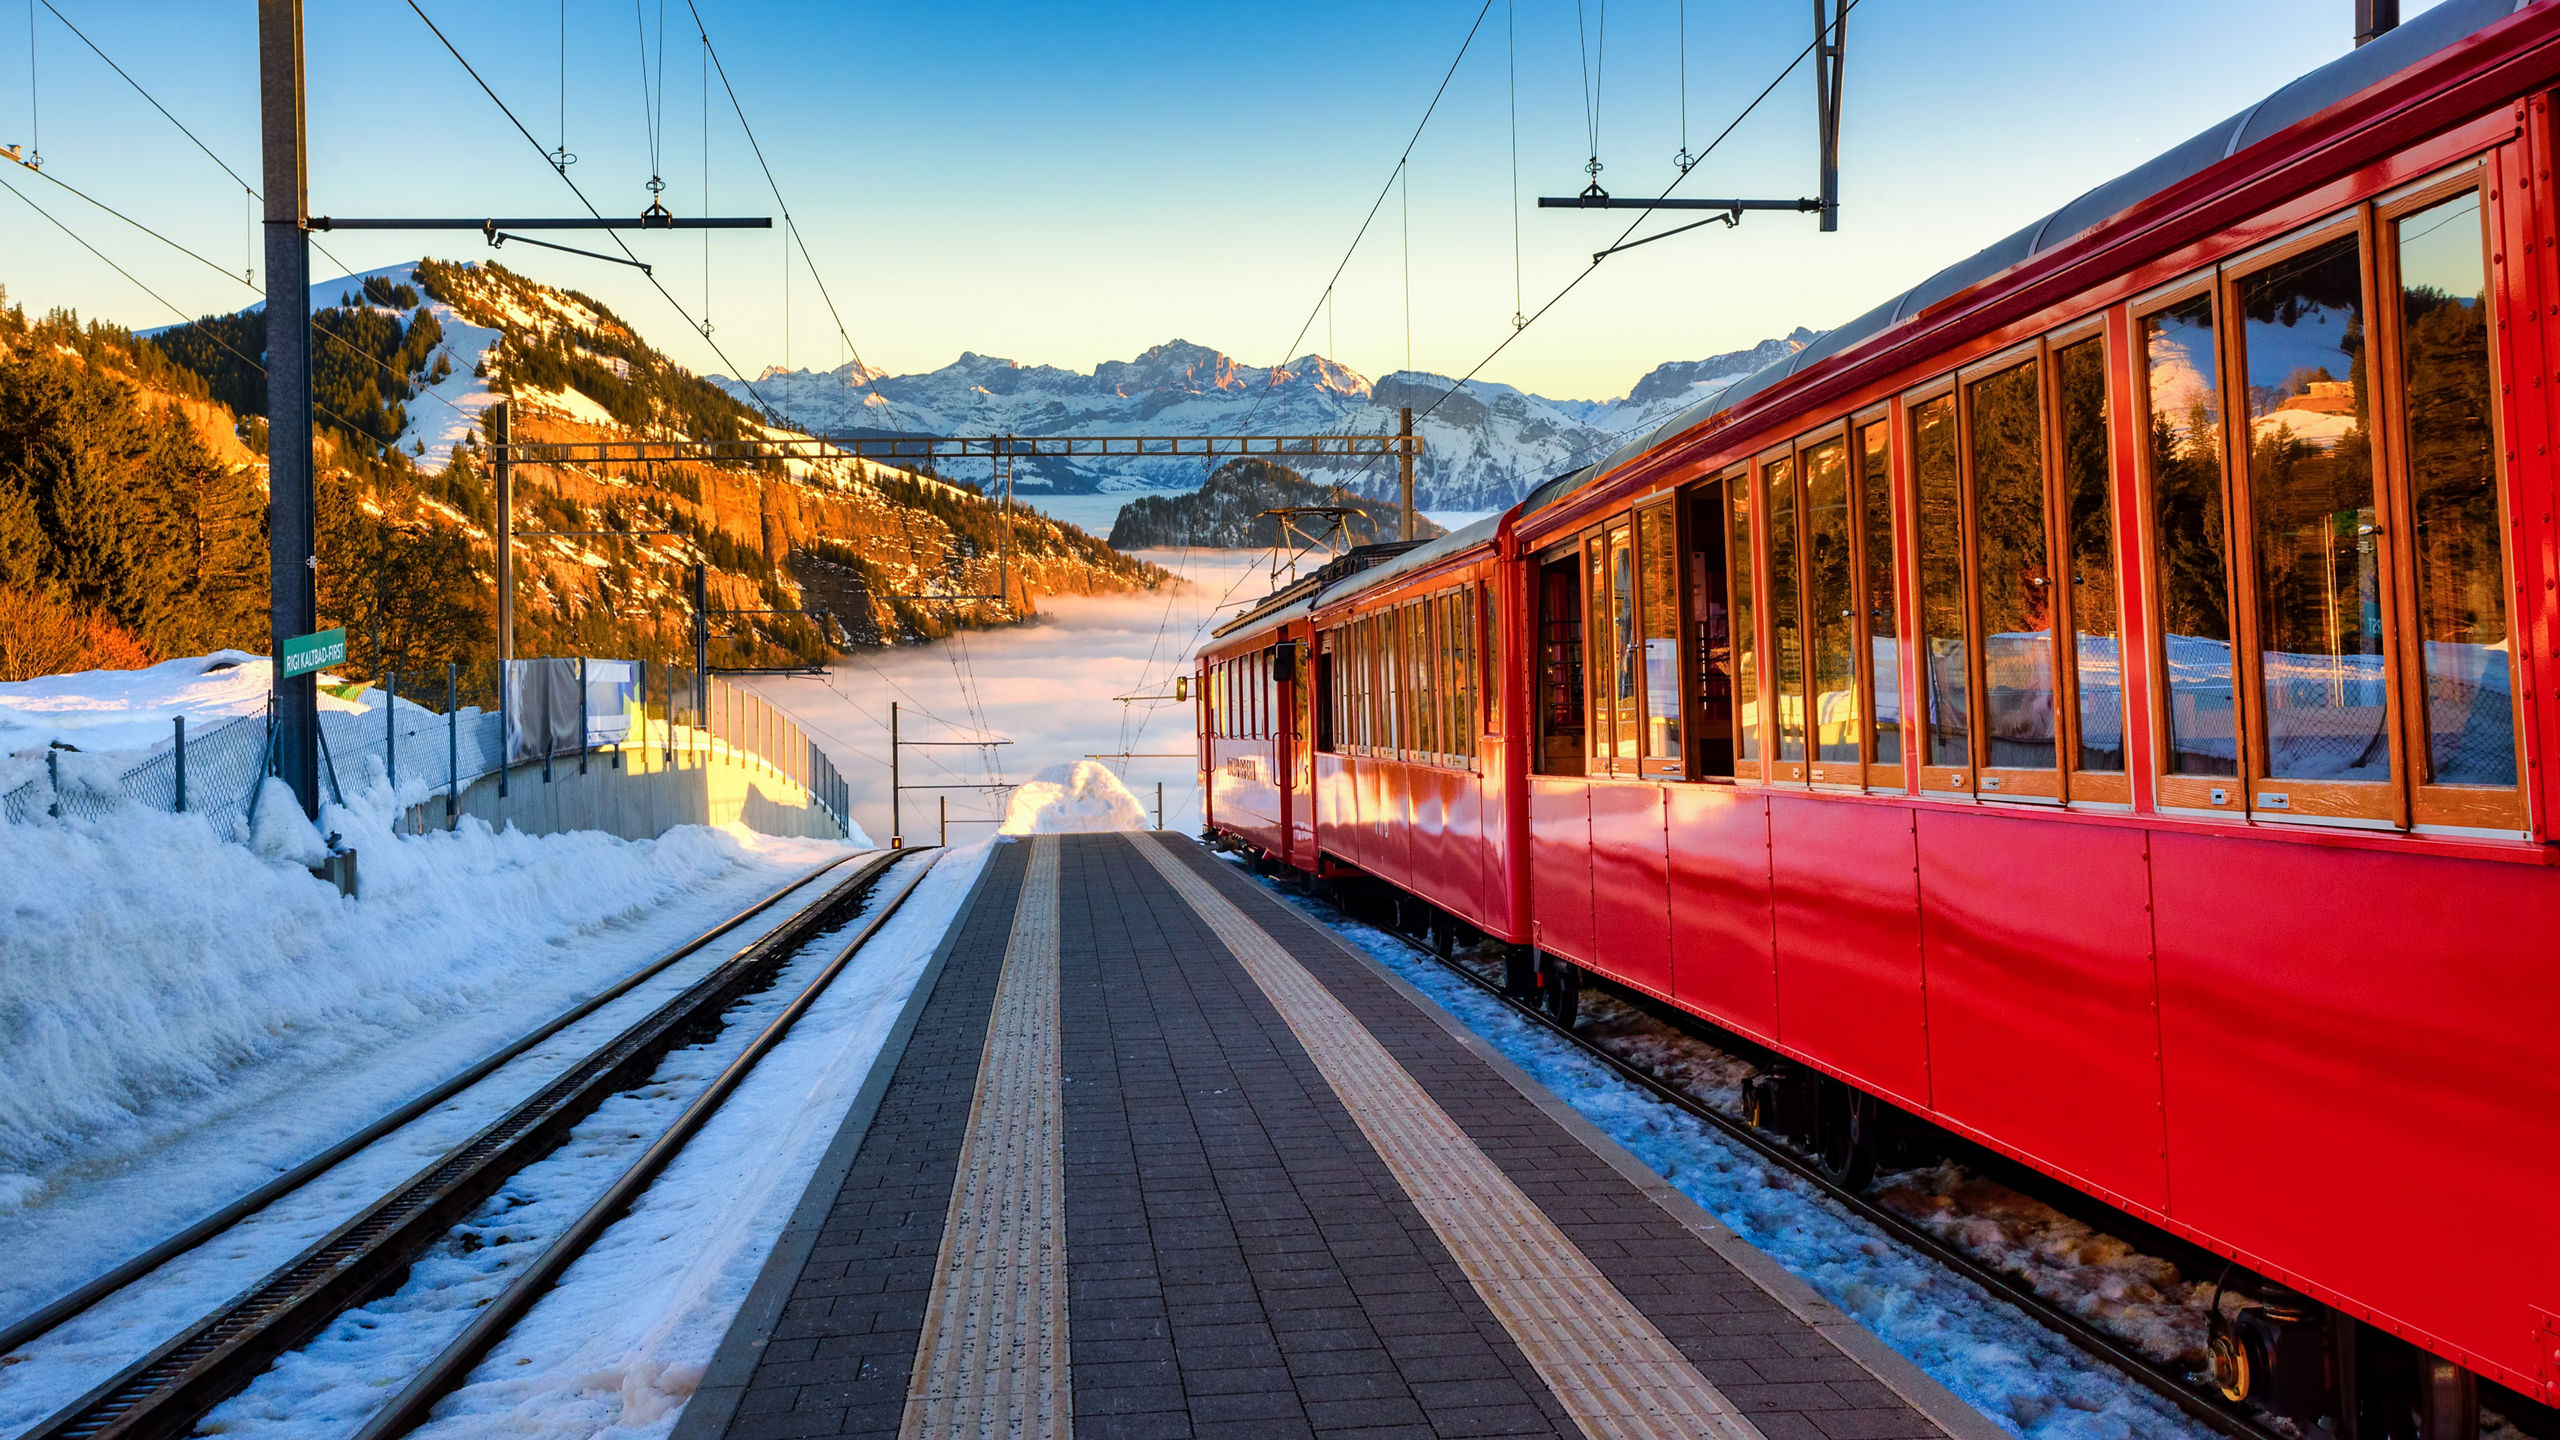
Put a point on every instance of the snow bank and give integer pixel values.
(131, 709)
(146, 962)
(618, 1346)
(1081, 798)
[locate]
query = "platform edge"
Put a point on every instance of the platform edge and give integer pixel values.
(1921, 1391)
(714, 1402)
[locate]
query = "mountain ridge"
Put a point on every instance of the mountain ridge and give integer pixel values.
(1484, 446)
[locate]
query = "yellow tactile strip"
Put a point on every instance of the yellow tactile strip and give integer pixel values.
(992, 1363)
(1608, 1365)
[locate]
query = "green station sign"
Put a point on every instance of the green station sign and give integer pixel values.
(306, 653)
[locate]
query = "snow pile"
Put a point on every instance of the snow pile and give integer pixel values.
(1081, 798)
(131, 709)
(149, 964)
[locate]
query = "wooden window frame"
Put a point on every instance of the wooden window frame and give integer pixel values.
(1945, 782)
(2113, 789)
(2384, 803)
(1664, 508)
(1827, 774)
(1780, 771)
(1879, 776)
(1743, 588)
(1488, 638)
(2006, 782)
(1568, 551)
(2460, 808)
(2174, 793)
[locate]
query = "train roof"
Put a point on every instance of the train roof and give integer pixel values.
(1355, 571)
(2446, 25)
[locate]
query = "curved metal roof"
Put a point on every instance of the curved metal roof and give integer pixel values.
(2440, 28)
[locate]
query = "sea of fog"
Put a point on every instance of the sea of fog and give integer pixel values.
(1052, 689)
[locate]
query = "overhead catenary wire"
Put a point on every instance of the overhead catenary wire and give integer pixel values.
(756, 147)
(1324, 306)
(1521, 325)
(590, 206)
(165, 302)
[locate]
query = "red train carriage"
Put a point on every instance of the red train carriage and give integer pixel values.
(2098, 702)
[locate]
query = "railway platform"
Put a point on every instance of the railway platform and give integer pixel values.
(1152, 1156)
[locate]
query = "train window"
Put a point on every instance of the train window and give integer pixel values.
(1458, 662)
(1831, 615)
(1880, 595)
(1786, 620)
(1560, 698)
(1623, 677)
(2013, 578)
(2088, 527)
(1323, 691)
(1749, 744)
(1946, 684)
(2184, 451)
(1488, 611)
(2463, 699)
(1658, 627)
(1422, 695)
(1710, 634)
(2316, 532)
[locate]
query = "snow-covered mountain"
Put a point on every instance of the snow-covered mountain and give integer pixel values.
(1483, 448)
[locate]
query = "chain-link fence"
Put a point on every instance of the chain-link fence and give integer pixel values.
(214, 769)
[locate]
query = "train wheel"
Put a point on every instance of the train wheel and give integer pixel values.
(1851, 1124)
(1559, 989)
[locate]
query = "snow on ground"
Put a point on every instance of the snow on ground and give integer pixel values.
(185, 1017)
(2031, 1381)
(619, 1345)
(1049, 687)
(1082, 798)
(131, 709)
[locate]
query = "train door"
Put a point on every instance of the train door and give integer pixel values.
(1297, 767)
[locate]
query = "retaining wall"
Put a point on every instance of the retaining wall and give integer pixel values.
(639, 794)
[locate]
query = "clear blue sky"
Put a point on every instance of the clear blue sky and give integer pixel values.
(1066, 184)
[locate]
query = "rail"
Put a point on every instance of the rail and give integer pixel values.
(2216, 1414)
(164, 1394)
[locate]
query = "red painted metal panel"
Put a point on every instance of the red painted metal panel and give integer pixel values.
(1845, 901)
(2042, 1027)
(2528, 226)
(1427, 855)
(1334, 801)
(1719, 871)
(1560, 864)
(1630, 884)
(1462, 800)
(2361, 1086)
(1500, 797)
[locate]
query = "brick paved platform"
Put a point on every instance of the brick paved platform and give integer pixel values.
(1151, 1156)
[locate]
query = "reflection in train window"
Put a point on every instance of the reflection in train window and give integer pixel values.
(1560, 699)
(2468, 697)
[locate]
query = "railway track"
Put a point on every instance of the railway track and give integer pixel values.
(2171, 1385)
(166, 1392)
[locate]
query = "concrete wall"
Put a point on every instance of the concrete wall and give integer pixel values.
(636, 794)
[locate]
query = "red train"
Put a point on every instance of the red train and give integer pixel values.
(1974, 714)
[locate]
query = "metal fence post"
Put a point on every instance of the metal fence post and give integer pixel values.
(178, 760)
(391, 730)
(53, 782)
(452, 739)
(1159, 804)
(643, 689)
(503, 757)
(942, 804)
(582, 714)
